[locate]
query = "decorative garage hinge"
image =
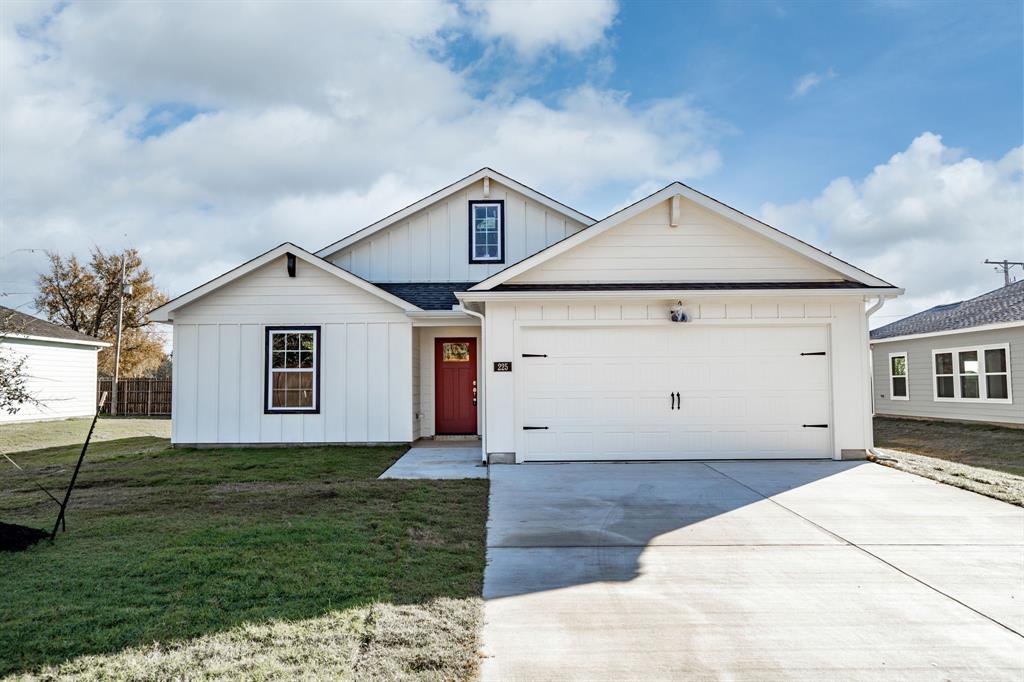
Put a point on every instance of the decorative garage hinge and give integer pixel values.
(534, 355)
(815, 426)
(535, 428)
(817, 352)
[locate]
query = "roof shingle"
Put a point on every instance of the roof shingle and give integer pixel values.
(427, 295)
(16, 322)
(1005, 304)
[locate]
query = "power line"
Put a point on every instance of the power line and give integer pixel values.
(1005, 266)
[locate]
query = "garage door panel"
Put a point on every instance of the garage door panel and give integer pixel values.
(744, 392)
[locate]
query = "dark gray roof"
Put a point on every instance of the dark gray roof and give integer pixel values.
(427, 295)
(667, 286)
(16, 322)
(1005, 304)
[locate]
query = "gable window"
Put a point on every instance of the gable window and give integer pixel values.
(973, 374)
(293, 370)
(898, 376)
(487, 231)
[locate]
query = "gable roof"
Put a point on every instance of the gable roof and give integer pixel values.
(763, 229)
(456, 186)
(163, 313)
(19, 325)
(1003, 305)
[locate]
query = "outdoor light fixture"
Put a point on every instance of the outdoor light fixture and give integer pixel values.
(677, 314)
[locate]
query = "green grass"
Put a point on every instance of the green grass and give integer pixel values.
(240, 563)
(980, 445)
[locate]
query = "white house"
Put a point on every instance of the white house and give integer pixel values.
(959, 361)
(490, 309)
(60, 367)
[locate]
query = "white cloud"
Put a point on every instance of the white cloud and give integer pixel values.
(299, 126)
(534, 25)
(924, 220)
(809, 81)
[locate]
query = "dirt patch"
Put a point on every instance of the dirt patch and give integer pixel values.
(996, 484)
(14, 538)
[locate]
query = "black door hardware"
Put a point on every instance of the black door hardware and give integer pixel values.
(817, 352)
(676, 401)
(535, 428)
(534, 355)
(815, 426)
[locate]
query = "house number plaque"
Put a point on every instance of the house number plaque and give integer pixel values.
(503, 367)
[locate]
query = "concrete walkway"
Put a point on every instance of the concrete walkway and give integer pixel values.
(748, 571)
(439, 460)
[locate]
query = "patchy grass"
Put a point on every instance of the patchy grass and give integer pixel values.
(980, 445)
(69, 432)
(254, 563)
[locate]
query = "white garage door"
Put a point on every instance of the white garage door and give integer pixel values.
(675, 392)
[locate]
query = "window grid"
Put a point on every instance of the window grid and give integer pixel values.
(899, 377)
(292, 379)
(486, 228)
(972, 374)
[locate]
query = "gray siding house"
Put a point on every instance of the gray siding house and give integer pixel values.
(959, 361)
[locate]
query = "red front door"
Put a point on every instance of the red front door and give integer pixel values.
(455, 382)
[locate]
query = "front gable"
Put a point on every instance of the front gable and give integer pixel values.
(701, 247)
(430, 241)
(678, 235)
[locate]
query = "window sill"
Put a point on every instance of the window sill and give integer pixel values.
(995, 401)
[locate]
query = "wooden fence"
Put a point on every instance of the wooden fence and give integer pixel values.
(138, 397)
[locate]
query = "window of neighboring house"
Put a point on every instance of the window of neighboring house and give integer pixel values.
(487, 232)
(973, 374)
(898, 377)
(293, 370)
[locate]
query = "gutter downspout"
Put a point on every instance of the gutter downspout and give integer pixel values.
(871, 370)
(482, 395)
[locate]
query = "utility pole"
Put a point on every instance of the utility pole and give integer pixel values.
(117, 345)
(1005, 266)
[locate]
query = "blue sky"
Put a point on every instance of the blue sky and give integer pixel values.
(887, 132)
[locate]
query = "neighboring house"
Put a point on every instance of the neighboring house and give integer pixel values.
(958, 361)
(490, 309)
(60, 365)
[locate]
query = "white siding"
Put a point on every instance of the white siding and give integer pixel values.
(365, 362)
(704, 247)
(850, 426)
(921, 392)
(61, 376)
(433, 244)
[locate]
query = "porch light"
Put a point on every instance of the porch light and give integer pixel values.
(677, 314)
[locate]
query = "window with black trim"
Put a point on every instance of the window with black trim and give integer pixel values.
(487, 231)
(293, 370)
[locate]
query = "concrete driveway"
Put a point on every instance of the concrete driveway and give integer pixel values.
(748, 570)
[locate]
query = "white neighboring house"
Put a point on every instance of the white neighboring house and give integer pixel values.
(489, 309)
(60, 365)
(959, 361)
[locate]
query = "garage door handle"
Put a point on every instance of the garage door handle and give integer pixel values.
(815, 426)
(817, 352)
(535, 428)
(534, 355)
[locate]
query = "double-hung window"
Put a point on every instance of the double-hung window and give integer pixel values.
(487, 231)
(973, 374)
(898, 377)
(293, 370)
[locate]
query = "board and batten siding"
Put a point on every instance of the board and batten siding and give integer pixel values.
(220, 362)
(432, 245)
(921, 390)
(60, 376)
(703, 247)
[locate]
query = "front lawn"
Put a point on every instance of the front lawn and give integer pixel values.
(244, 564)
(980, 445)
